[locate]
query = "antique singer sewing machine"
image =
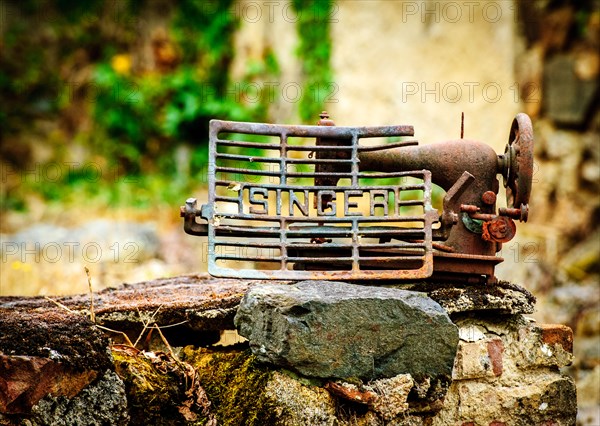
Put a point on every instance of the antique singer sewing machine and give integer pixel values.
(321, 202)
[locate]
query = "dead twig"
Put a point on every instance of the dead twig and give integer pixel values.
(146, 323)
(66, 308)
(60, 305)
(101, 327)
(89, 277)
(164, 339)
(172, 325)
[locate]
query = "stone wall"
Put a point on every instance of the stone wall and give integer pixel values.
(57, 367)
(557, 254)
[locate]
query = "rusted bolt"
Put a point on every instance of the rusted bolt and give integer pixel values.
(325, 120)
(489, 198)
(468, 208)
(520, 213)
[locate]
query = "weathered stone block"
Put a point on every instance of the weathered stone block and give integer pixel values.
(103, 402)
(297, 404)
(557, 334)
(386, 397)
(548, 345)
(503, 298)
(338, 330)
(46, 352)
(539, 399)
(478, 359)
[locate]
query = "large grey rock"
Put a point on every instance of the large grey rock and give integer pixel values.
(333, 329)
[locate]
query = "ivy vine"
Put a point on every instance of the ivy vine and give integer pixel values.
(314, 51)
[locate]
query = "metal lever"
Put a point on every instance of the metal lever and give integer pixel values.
(449, 218)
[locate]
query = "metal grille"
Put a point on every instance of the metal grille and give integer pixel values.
(268, 216)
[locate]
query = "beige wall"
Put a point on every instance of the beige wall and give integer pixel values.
(402, 62)
(385, 51)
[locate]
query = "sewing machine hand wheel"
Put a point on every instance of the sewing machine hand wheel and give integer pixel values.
(518, 164)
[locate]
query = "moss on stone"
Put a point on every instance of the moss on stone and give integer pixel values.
(235, 384)
(155, 387)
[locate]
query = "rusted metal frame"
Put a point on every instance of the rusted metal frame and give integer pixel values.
(395, 274)
(431, 216)
(302, 131)
(333, 231)
(316, 219)
(283, 222)
(466, 264)
(394, 218)
(208, 210)
(284, 232)
(329, 245)
(275, 147)
(404, 187)
(413, 173)
(387, 146)
(354, 170)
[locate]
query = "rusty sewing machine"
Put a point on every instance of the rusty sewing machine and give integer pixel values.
(320, 202)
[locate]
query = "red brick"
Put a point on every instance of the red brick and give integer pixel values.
(557, 333)
(495, 349)
(545, 345)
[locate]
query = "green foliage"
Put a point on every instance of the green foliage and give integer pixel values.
(60, 59)
(151, 114)
(204, 31)
(41, 41)
(314, 50)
